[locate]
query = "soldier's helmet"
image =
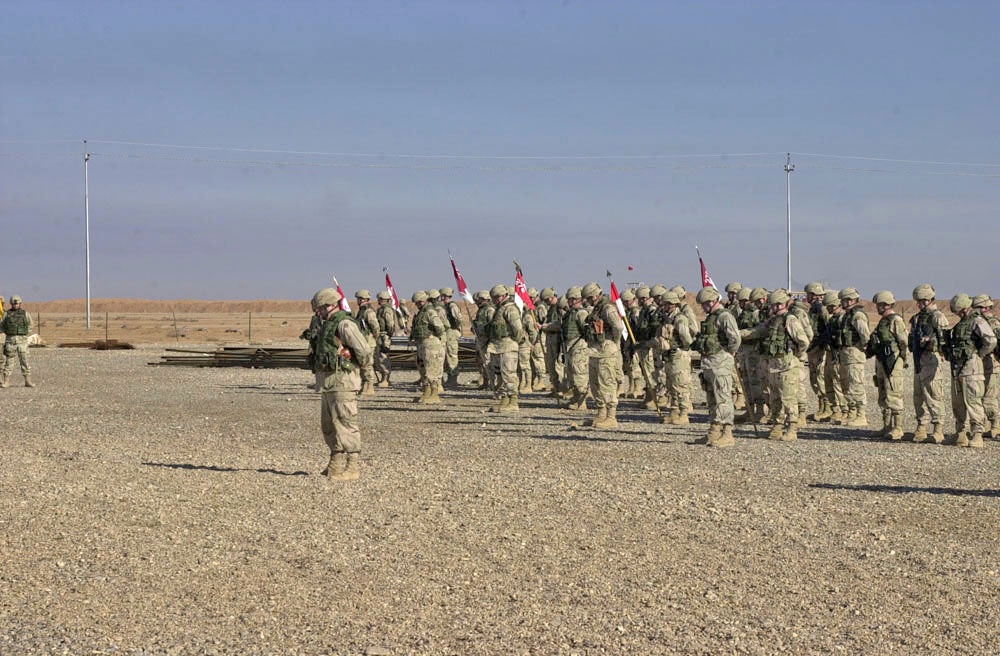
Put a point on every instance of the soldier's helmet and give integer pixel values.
(734, 287)
(433, 294)
(547, 293)
(591, 289)
(574, 292)
(705, 295)
(884, 297)
(815, 288)
(563, 304)
(642, 292)
(923, 292)
(849, 293)
(982, 301)
(669, 298)
(498, 290)
(15, 299)
(680, 291)
(628, 295)
(657, 291)
(446, 291)
(482, 295)
(758, 293)
(778, 297)
(419, 296)
(325, 296)
(960, 302)
(744, 294)
(363, 294)
(384, 296)
(532, 293)
(831, 298)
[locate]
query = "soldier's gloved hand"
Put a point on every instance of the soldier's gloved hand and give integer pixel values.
(344, 352)
(599, 326)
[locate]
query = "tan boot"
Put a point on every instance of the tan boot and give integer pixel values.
(896, 431)
(383, 383)
(801, 418)
(938, 434)
(602, 414)
(367, 389)
(858, 418)
(714, 433)
(511, 406)
(27, 381)
(886, 424)
(961, 438)
(352, 471)
(823, 411)
(5, 380)
(920, 435)
(836, 416)
(502, 403)
(337, 464)
(726, 439)
(976, 441)
(791, 433)
(425, 394)
(610, 419)
(434, 398)
(682, 418)
(776, 432)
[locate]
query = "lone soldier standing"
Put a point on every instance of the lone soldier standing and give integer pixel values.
(970, 340)
(367, 320)
(984, 304)
(16, 325)
(427, 331)
(453, 314)
(888, 346)
(854, 335)
(717, 341)
(341, 352)
(388, 323)
(929, 345)
(506, 332)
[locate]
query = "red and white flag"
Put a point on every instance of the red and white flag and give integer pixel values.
(616, 298)
(463, 289)
(344, 305)
(392, 290)
(521, 298)
(706, 280)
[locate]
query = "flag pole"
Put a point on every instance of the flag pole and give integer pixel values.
(642, 362)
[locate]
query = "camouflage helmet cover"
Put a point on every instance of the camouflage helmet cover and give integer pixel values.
(705, 295)
(325, 296)
(734, 287)
(363, 294)
(446, 291)
(758, 293)
(547, 293)
(923, 292)
(815, 288)
(482, 295)
(778, 297)
(679, 290)
(498, 290)
(574, 292)
(960, 302)
(669, 298)
(17, 299)
(849, 293)
(419, 296)
(657, 291)
(982, 301)
(433, 294)
(532, 293)
(628, 295)
(642, 292)
(384, 296)
(831, 298)
(744, 294)
(884, 297)
(592, 289)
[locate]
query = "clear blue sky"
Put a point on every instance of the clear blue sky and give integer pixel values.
(568, 133)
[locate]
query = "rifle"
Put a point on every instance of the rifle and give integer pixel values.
(918, 336)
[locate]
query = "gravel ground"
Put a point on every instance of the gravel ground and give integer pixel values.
(179, 510)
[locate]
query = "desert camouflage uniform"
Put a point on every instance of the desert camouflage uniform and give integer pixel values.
(605, 368)
(388, 324)
(971, 339)
(888, 346)
(929, 343)
(506, 332)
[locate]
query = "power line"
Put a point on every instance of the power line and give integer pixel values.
(900, 161)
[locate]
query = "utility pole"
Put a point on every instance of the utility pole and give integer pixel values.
(86, 215)
(789, 167)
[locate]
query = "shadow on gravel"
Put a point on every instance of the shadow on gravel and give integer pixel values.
(285, 390)
(907, 489)
(215, 468)
(585, 435)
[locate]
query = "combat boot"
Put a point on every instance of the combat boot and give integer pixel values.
(961, 438)
(27, 381)
(920, 435)
(886, 424)
(602, 414)
(384, 382)
(938, 434)
(994, 431)
(776, 432)
(610, 419)
(425, 394)
(512, 405)
(367, 389)
(726, 439)
(858, 418)
(976, 441)
(352, 470)
(434, 397)
(5, 380)
(336, 466)
(823, 411)
(502, 403)
(801, 418)
(791, 433)
(896, 422)
(672, 416)
(682, 418)
(836, 417)
(714, 433)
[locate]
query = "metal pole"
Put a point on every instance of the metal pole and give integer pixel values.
(86, 214)
(789, 167)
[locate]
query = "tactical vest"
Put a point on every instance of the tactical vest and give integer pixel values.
(776, 341)
(572, 327)
(386, 315)
(498, 328)
(597, 313)
(649, 322)
(818, 319)
(328, 357)
(15, 322)
(454, 315)
(748, 318)
(849, 335)
(709, 340)
(963, 342)
(884, 343)
(923, 324)
(421, 328)
(482, 320)
(361, 318)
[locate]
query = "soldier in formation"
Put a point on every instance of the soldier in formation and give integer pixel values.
(603, 334)
(970, 340)
(984, 304)
(453, 326)
(505, 331)
(887, 345)
(428, 333)
(367, 320)
(929, 346)
(388, 323)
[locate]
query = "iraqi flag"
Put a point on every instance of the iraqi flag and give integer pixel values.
(706, 280)
(344, 304)
(616, 298)
(463, 289)
(392, 290)
(521, 298)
